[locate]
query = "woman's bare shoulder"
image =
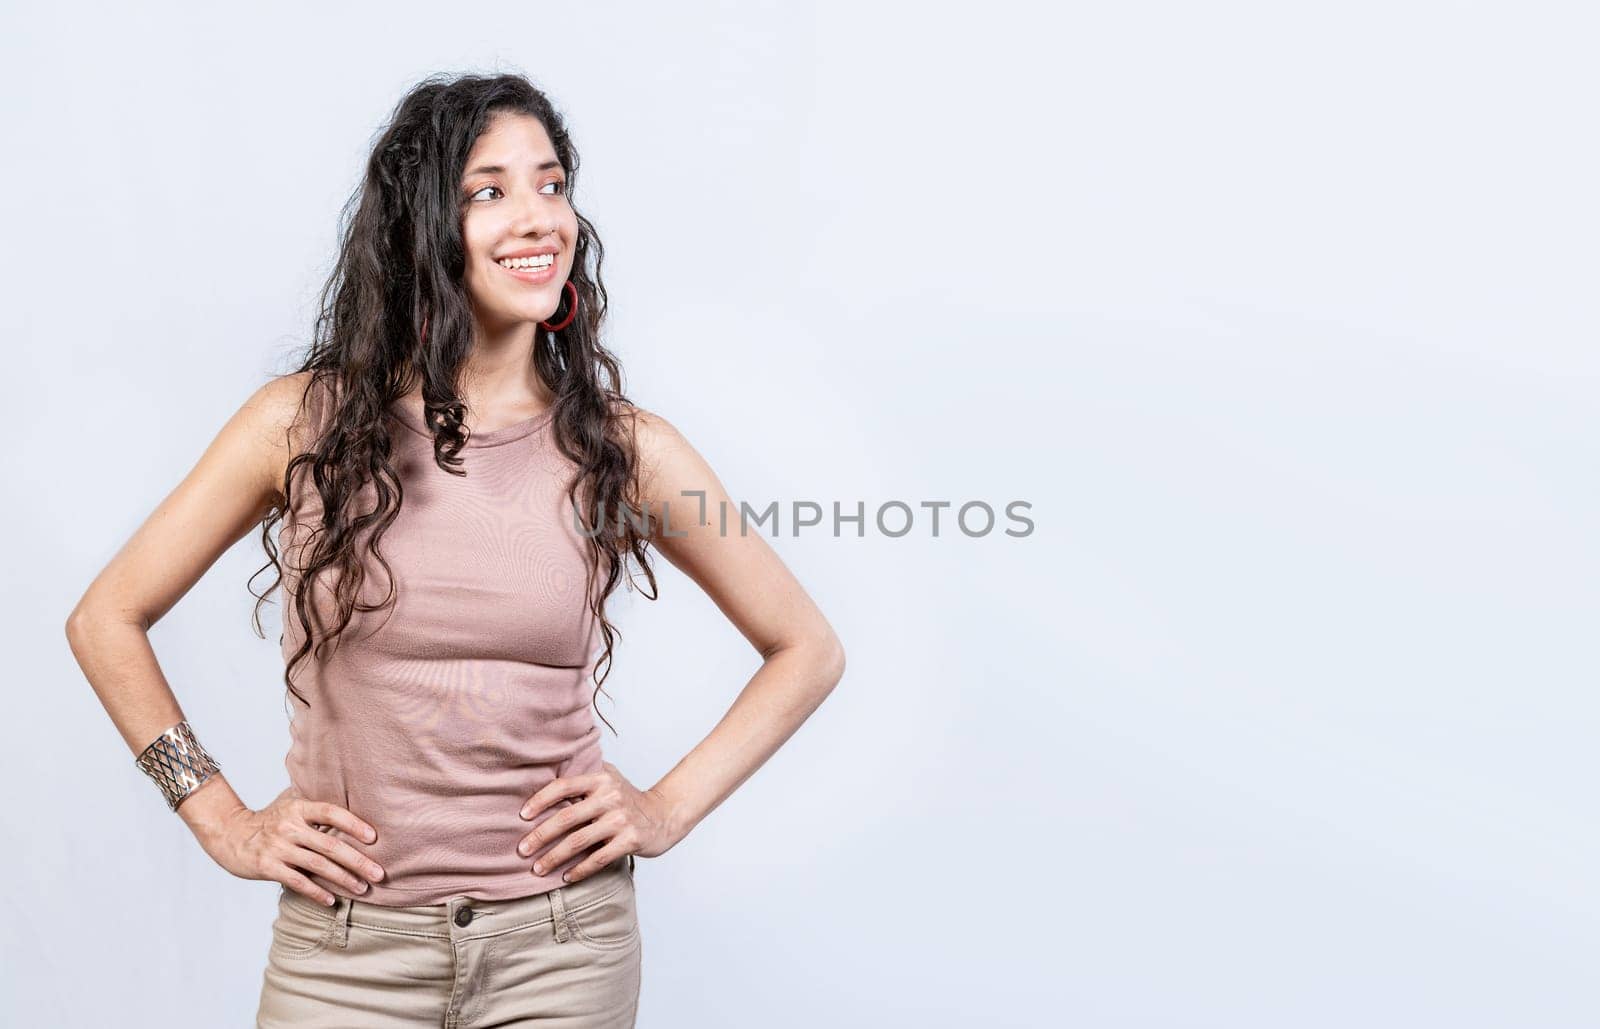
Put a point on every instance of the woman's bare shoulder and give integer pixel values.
(642, 419)
(287, 411)
(653, 435)
(281, 395)
(668, 466)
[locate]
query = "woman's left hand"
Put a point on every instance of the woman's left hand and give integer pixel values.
(612, 813)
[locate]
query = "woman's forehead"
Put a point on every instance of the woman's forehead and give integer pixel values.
(512, 136)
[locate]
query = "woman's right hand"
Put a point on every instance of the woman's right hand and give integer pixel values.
(281, 843)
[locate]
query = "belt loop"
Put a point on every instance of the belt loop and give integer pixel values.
(558, 913)
(341, 920)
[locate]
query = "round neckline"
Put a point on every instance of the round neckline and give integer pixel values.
(504, 434)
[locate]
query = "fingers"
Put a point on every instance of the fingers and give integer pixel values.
(335, 860)
(557, 789)
(613, 850)
(334, 815)
(600, 831)
(554, 827)
(294, 880)
(367, 869)
(304, 857)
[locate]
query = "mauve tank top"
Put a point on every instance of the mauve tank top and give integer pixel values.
(436, 718)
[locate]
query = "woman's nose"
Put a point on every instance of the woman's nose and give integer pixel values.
(532, 220)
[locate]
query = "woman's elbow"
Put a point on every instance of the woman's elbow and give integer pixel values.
(834, 662)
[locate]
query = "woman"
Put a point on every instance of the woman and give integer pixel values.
(461, 482)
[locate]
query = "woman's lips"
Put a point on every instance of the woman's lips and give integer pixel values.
(533, 276)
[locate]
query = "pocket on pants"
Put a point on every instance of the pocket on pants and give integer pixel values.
(609, 923)
(303, 927)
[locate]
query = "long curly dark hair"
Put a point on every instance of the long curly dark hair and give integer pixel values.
(395, 313)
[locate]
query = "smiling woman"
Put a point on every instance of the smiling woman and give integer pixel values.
(439, 462)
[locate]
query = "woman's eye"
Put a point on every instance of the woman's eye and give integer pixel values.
(561, 187)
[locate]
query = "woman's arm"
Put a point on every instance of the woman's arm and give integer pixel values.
(803, 658)
(802, 661)
(228, 493)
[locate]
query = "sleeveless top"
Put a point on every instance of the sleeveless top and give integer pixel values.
(436, 718)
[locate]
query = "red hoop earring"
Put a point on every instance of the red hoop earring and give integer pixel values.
(573, 311)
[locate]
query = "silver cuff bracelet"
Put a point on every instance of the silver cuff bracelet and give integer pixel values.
(177, 763)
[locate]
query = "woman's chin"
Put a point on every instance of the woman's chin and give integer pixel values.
(504, 318)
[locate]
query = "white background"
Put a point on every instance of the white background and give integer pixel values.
(1281, 316)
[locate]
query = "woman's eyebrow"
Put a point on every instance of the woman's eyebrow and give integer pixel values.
(496, 169)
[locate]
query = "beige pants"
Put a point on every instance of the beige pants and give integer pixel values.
(569, 956)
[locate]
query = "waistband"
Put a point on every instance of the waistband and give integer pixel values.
(466, 918)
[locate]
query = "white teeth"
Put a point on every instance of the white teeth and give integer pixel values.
(539, 261)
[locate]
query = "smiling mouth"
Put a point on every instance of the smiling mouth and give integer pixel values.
(530, 273)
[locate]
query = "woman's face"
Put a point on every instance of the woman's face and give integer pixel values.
(515, 192)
